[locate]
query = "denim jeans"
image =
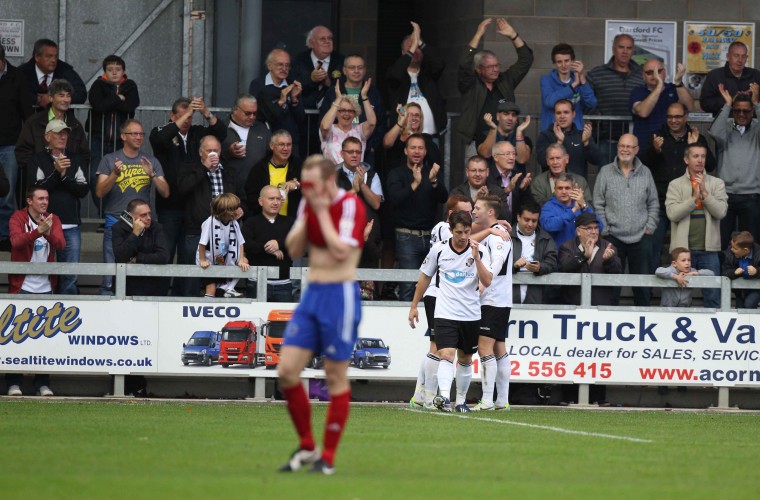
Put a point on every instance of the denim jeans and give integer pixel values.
(67, 283)
(744, 209)
(172, 221)
(106, 284)
(188, 287)
(639, 258)
(411, 250)
(8, 202)
(708, 260)
(658, 240)
(275, 293)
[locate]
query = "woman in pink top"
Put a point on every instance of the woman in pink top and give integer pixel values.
(346, 109)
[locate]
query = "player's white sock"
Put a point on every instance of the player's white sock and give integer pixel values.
(419, 389)
(503, 372)
(445, 377)
(431, 376)
(488, 377)
(464, 377)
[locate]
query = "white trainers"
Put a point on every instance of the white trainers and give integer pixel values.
(482, 406)
(499, 406)
(14, 390)
(232, 294)
(45, 391)
(299, 458)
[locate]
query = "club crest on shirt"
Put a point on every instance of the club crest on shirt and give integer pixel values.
(469, 262)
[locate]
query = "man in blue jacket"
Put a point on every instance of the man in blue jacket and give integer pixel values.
(567, 81)
(559, 213)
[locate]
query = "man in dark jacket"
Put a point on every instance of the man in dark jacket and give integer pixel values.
(247, 138)
(43, 68)
(533, 251)
(579, 143)
(281, 169)
(113, 98)
(32, 137)
(64, 178)
(481, 83)
(414, 78)
(665, 160)
(15, 107)
(140, 241)
(279, 98)
(174, 144)
(199, 182)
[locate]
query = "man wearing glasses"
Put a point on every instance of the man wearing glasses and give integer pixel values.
(482, 83)
(280, 99)
(625, 199)
(123, 176)
(665, 161)
(737, 143)
(281, 169)
(649, 102)
(247, 139)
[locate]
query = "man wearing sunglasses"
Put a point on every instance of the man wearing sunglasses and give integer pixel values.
(247, 138)
(737, 144)
(649, 102)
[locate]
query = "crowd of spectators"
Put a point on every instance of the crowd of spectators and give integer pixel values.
(385, 143)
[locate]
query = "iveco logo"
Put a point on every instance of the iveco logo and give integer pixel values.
(456, 276)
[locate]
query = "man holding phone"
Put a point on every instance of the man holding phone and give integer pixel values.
(124, 175)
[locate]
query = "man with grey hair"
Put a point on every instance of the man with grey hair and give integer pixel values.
(625, 199)
(482, 84)
(281, 169)
(557, 159)
(566, 204)
(735, 76)
(318, 67)
(247, 139)
(279, 97)
(43, 68)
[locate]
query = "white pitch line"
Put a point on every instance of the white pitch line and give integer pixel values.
(543, 427)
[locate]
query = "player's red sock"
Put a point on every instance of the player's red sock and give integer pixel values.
(337, 415)
(300, 412)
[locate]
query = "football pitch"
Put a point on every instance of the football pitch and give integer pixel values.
(136, 449)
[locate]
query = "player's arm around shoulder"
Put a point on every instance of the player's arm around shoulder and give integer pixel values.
(482, 262)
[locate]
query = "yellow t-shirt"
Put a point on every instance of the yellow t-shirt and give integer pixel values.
(278, 176)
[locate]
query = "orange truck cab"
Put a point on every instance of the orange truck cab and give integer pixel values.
(239, 344)
(277, 321)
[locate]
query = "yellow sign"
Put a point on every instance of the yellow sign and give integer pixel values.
(706, 44)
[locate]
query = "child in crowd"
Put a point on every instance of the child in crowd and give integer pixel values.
(742, 260)
(221, 243)
(678, 270)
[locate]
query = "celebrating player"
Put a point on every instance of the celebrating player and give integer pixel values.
(457, 272)
(326, 321)
(495, 305)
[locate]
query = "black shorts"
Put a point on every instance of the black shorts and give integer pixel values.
(494, 321)
(462, 335)
(429, 302)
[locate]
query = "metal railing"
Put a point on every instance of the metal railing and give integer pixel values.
(586, 281)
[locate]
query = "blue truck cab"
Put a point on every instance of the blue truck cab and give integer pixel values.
(371, 352)
(202, 348)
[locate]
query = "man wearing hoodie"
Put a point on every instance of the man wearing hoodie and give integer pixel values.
(567, 81)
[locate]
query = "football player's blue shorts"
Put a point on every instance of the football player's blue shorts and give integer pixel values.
(327, 320)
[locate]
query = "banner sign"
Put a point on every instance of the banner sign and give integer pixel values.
(705, 45)
(651, 39)
(12, 37)
(242, 339)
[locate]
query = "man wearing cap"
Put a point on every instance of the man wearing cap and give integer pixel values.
(62, 175)
(507, 127)
(588, 253)
(32, 138)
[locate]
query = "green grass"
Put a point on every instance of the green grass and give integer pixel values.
(58, 449)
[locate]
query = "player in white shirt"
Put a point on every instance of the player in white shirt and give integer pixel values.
(457, 266)
(427, 379)
(496, 303)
